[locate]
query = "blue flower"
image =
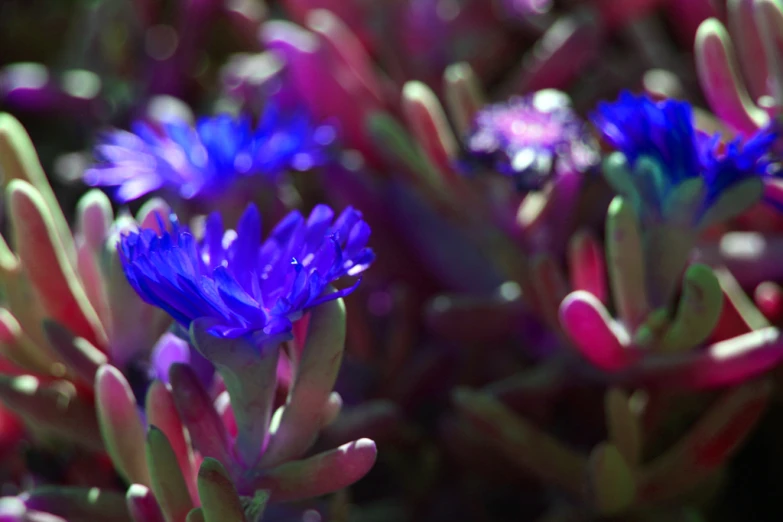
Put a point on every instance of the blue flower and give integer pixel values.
(663, 132)
(247, 286)
(530, 138)
(205, 160)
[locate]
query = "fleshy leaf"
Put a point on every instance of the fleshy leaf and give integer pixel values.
(142, 504)
(81, 357)
(698, 311)
(46, 264)
(318, 475)
(78, 504)
(707, 444)
(206, 429)
(167, 480)
(250, 375)
(56, 406)
(717, 68)
(219, 499)
(315, 375)
(589, 326)
(625, 258)
(429, 126)
(623, 426)
(162, 413)
(612, 484)
(521, 442)
(463, 94)
(120, 425)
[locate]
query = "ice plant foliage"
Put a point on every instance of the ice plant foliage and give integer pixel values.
(530, 137)
(628, 361)
(673, 165)
(205, 160)
(246, 285)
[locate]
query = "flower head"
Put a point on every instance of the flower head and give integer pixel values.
(529, 137)
(247, 286)
(664, 150)
(204, 160)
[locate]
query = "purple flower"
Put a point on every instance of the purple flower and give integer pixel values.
(529, 138)
(205, 160)
(245, 285)
(664, 135)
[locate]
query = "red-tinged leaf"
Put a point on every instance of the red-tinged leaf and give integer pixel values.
(719, 75)
(768, 297)
(318, 475)
(746, 34)
(46, 264)
(430, 128)
(768, 17)
(587, 265)
(347, 48)
(718, 365)
(55, 406)
(19, 161)
(82, 358)
(120, 424)
(162, 413)
(142, 504)
(546, 218)
(562, 54)
(93, 281)
(595, 334)
(19, 349)
(12, 433)
(94, 216)
(198, 414)
(300, 328)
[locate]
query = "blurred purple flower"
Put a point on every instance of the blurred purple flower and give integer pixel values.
(245, 285)
(205, 160)
(530, 138)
